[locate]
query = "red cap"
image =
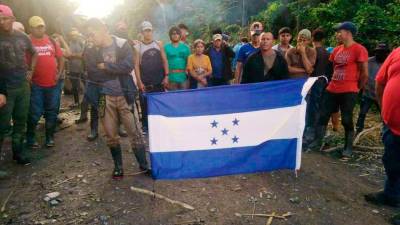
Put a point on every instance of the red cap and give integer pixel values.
(6, 11)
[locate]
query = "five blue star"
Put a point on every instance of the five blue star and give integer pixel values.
(214, 141)
(235, 139)
(214, 124)
(224, 131)
(236, 122)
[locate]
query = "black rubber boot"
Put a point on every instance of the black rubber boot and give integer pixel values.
(348, 144)
(316, 144)
(76, 97)
(140, 155)
(84, 109)
(116, 153)
(31, 137)
(50, 129)
(93, 134)
(19, 153)
(94, 124)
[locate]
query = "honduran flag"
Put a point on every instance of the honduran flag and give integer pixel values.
(227, 130)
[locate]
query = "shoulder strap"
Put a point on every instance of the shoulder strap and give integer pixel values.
(53, 42)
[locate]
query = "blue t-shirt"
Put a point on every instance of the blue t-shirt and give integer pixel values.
(217, 63)
(245, 51)
(236, 49)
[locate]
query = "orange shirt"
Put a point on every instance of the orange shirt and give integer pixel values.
(201, 63)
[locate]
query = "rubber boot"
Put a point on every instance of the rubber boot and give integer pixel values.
(116, 154)
(319, 137)
(19, 153)
(31, 137)
(348, 144)
(84, 109)
(50, 129)
(76, 97)
(94, 124)
(140, 155)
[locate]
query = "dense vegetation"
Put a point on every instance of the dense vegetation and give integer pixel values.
(377, 20)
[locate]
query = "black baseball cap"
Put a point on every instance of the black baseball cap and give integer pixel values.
(349, 26)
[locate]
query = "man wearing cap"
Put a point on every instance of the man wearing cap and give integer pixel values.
(266, 64)
(151, 67)
(221, 57)
(114, 66)
(14, 45)
(44, 91)
(177, 54)
(350, 63)
(246, 50)
(301, 59)
(285, 36)
(388, 96)
(369, 97)
(75, 67)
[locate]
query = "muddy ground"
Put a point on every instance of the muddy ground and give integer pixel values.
(326, 191)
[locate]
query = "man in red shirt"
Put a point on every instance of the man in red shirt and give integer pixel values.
(44, 90)
(350, 62)
(388, 96)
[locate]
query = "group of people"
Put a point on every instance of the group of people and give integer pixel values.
(117, 69)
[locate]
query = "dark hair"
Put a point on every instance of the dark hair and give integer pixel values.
(244, 39)
(95, 23)
(284, 30)
(175, 29)
(217, 31)
(183, 26)
(318, 34)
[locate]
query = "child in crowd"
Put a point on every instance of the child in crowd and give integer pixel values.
(199, 65)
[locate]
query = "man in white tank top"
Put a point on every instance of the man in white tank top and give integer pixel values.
(151, 67)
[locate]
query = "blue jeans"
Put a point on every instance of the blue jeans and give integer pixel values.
(44, 102)
(391, 162)
(60, 86)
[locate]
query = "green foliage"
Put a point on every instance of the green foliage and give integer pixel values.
(376, 20)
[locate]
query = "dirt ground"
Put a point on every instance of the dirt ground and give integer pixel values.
(326, 191)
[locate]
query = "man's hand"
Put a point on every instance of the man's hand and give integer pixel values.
(203, 81)
(3, 100)
(141, 87)
(101, 66)
(29, 75)
(301, 48)
(165, 82)
(58, 75)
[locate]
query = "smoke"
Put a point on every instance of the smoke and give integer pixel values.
(193, 13)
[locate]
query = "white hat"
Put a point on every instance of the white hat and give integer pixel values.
(146, 25)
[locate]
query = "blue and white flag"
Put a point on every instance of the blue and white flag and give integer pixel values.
(227, 130)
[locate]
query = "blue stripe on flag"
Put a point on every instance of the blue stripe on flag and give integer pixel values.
(271, 155)
(227, 99)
